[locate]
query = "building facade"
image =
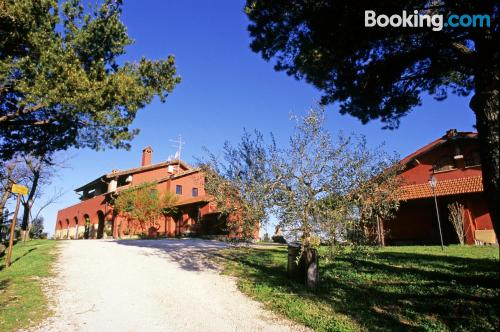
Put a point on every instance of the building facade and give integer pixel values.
(454, 162)
(94, 216)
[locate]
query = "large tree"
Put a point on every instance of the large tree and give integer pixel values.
(61, 81)
(382, 73)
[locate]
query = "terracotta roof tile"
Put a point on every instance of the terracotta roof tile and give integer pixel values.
(444, 188)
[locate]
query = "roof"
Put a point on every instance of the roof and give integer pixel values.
(134, 170)
(443, 188)
(146, 168)
(449, 136)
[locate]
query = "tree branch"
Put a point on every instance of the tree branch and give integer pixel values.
(20, 112)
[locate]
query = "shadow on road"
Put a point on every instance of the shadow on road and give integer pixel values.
(190, 254)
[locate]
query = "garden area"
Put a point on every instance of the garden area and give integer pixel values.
(22, 298)
(415, 288)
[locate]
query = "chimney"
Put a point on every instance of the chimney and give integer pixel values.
(451, 133)
(147, 156)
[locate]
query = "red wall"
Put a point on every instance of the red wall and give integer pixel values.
(416, 220)
(89, 207)
(168, 226)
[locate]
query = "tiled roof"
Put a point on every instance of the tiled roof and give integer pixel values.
(443, 188)
(117, 173)
(146, 168)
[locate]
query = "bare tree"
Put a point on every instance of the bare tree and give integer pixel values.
(456, 217)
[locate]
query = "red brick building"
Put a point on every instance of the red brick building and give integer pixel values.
(94, 217)
(454, 161)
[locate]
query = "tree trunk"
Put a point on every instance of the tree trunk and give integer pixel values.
(29, 203)
(380, 232)
(306, 268)
(5, 195)
(3, 201)
(485, 105)
(310, 257)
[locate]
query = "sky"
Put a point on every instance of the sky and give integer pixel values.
(225, 88)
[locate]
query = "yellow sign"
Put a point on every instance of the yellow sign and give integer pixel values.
(18, 189)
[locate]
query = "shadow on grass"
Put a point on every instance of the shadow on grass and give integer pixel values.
(392, 291)
(17, 258)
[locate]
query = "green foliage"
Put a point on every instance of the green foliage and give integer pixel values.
(61, 84)
(239, 184)
(382, 73)
(373, 72)
(144, 205)
(23, 301)
(168, 204)
(394, 288)
(318, 187)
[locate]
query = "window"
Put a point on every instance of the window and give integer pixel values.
(444, 164)
(194, 192)
(472, 160)
(178, 189)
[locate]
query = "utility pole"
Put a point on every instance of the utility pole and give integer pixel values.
(433, 184)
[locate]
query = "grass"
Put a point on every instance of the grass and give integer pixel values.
(412, 288)
(22, 299)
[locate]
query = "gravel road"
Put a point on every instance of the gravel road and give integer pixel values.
(141, 285)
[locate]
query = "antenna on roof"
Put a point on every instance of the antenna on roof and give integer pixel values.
(178, 143)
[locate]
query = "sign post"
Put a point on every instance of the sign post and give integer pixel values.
(19, 190)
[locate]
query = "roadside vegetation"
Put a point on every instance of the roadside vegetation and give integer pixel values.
(393, 288)
(23, 302)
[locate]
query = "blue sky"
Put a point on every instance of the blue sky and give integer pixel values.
(225, 88)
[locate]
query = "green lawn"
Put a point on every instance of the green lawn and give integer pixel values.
(22, 299)
(395, 288)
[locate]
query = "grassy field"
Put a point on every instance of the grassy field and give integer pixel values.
(394, 288)
(22, 300)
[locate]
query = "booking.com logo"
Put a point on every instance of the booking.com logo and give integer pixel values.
(416, 20)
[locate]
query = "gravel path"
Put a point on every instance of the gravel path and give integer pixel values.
(140, 285)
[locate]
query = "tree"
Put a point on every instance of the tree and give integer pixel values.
(36, 229)
(143, 205)
(240, 184)
(39, 171)
(61, 83)
(11, 172)
(320, 189)
(381, 73)
(328, 189)
(456, 217)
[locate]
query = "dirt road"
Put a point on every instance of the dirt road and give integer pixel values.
(141, 285)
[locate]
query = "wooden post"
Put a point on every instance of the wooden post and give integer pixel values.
(12, 227)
